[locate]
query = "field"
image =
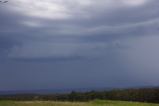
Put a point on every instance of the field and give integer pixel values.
(92, 103)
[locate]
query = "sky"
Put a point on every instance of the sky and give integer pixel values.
(72, 44)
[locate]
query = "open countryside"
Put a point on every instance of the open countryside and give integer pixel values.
(91, 103)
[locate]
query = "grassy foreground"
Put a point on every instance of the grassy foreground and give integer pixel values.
(92, 103)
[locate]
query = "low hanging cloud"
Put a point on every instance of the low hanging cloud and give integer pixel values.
(74, 43)
(70, 27)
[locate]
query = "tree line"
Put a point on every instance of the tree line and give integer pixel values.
(150, 95)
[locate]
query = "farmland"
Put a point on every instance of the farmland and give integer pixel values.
(91, 103)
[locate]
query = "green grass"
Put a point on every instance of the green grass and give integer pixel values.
(92, 103)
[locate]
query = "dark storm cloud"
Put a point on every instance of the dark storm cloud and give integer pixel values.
(75, 39)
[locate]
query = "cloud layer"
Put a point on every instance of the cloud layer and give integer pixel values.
(66, 21)
(105, 34)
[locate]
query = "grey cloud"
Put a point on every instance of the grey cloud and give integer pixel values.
(85, 38)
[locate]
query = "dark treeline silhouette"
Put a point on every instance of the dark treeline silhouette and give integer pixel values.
(150, 95)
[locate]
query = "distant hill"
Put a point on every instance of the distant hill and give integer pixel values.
(51, 91)
(149, 94)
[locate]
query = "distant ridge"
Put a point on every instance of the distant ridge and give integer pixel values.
(60, 91)
(51, 91)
